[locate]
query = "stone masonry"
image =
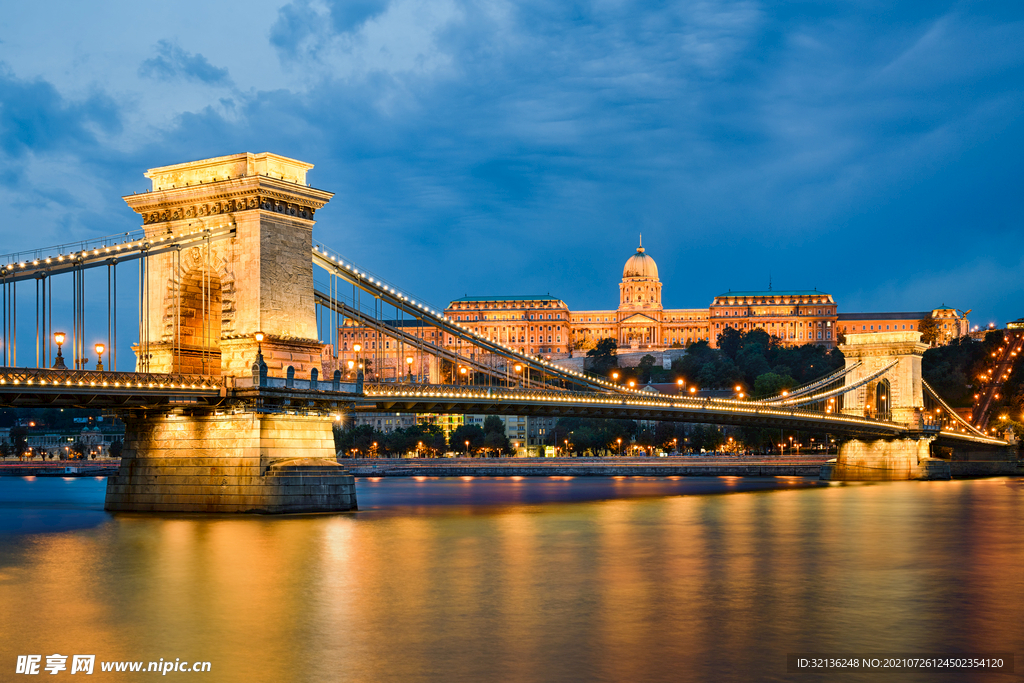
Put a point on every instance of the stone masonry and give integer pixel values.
(253, 274)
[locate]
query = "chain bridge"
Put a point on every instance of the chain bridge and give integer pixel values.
(243, 358)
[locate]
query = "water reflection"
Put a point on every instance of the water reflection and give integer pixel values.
(495, 586)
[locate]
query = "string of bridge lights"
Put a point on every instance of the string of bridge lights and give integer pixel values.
(339, 262)
(130, 247)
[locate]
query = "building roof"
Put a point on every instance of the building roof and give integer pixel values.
(913, 315)
(640, 265)
(789, 292)
(521, 297)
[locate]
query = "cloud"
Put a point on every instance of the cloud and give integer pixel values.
(172, 63)
(35, 118)
(498, 146)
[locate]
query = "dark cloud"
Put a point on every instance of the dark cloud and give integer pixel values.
(300, 30)
(348, 15)
(35, 118)
(172, 63)
(296, 24)
(873, 157)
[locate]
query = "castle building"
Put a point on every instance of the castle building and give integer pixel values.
(543, 325)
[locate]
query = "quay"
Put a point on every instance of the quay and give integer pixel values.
(60, 468)
(686, 466)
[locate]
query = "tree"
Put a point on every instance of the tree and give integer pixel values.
(359, 439)
(929, 330)
(471, 433)
(645, 365)
(19, 440)
(730, 341)
(664, 435)
(495, 438)
(602, 356)
(116, 446)
(771, 384)
(79, 449)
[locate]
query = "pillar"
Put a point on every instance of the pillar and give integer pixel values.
(885, 460)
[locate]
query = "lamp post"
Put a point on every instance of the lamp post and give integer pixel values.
(518, 368)
(462, 371)
(259, 366)
(99, 348)
(408, 362)
(58, 363)
(620, 445)
(467, 448)
(356, 348)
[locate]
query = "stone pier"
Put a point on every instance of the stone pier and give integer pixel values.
(250, 271)
(883, 460)
(230, 463)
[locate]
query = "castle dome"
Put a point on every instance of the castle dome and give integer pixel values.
(640, 264)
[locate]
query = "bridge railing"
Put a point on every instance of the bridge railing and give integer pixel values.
(40, 254)
(102, 378)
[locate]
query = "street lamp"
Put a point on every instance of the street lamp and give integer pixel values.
(462, 371)
(408, 362)
(620, 446)
(615, 377)
(259, 367)
(518, 368)
(467, 448)
(58, 363)
(100, 348)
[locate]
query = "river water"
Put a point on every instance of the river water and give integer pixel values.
(535, 579)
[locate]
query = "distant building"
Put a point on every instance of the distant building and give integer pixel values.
(544, 325)
(950, 323)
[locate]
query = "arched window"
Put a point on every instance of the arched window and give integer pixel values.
(883, 399)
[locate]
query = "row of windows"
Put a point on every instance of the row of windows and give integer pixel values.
(736, 301)
(495, 305)
(469, 318)
(812, 323)
(865, 328)
(747, 312)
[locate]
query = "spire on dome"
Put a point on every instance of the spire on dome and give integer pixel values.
(640, 249)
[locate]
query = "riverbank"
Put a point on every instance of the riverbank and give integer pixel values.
(59, 468)
(686, 466)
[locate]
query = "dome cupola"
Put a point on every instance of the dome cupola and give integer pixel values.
(640, 264)
(640, 289)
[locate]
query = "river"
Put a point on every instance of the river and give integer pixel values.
(532, 580)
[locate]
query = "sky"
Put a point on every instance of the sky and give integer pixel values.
(871, 150)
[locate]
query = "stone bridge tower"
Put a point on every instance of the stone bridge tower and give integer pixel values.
(898, 395)
(251, 271)
(202, 305)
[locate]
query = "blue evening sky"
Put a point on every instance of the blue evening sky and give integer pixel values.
(872, 150)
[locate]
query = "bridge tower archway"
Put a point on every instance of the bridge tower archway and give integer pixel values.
(198, 327)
